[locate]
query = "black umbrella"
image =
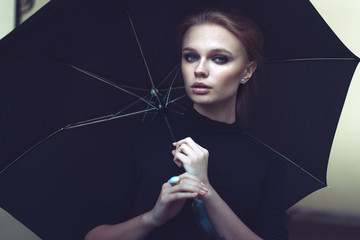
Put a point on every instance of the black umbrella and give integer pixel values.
(47, 65)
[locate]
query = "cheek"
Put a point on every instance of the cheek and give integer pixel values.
(230, 77)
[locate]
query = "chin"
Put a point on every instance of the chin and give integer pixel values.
(200, 99)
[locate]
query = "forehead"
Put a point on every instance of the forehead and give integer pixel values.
(206, 36)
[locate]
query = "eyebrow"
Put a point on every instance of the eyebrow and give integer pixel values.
(216, 50)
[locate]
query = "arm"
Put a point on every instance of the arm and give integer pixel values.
(194, 159)
(169, 204)
(134, 229)
(225, 221)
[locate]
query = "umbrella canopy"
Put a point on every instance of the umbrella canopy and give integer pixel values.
(306, 76)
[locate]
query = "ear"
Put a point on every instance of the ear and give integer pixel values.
(249, 70)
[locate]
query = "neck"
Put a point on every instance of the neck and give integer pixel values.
(217, 113)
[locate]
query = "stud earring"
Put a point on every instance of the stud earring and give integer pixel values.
(243, 81)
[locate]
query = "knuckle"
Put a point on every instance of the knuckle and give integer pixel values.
(186, 175)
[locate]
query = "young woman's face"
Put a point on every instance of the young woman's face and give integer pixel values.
(213, 62)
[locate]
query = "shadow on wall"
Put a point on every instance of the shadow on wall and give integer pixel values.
(305, 224)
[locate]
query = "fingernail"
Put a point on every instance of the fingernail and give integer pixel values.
(205, 189)
(202, 192)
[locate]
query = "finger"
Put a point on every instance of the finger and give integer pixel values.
(185, 149)
(196, 149)
(187, 175)
(181, 157)
(186, 179)
(188, 183)
(180, 195)
(187, 186)
(184, 141)
(176, 160)
(189, 142)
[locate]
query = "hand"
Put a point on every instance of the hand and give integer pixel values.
(172, 198)
(192, 157)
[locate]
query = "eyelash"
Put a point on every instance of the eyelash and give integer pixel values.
(220, 59)
(217, 59)
(188, 56)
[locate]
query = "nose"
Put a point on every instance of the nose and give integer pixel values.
(201, 70)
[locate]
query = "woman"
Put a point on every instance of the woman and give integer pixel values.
(239, 181)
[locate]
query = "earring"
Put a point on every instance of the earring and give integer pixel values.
(243, 81)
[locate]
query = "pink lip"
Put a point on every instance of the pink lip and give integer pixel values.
(199, 85)
(200, 88)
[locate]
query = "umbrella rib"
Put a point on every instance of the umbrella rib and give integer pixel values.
(140, 49)
(81, 124)
(144, 116)
(176, 68)
(130, 105)
(173, 88)
(311, 59)
(112, 84)
(286, 158)
(176, 99)
(170, 88)
(99, 119)
(30, 149)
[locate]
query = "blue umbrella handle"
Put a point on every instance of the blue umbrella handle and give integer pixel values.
(203, 220)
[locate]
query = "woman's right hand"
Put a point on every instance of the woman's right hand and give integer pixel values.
(172, 198)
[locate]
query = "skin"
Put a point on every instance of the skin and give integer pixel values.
(215, 57)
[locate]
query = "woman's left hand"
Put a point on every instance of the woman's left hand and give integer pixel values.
(192, 157)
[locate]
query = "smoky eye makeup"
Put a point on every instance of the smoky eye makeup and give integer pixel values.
(190, 57)
(220, 59)
(218, 56)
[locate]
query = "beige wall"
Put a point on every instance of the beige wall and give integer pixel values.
(37, 5)
(7, 16)
(343, 16)
(8, 12)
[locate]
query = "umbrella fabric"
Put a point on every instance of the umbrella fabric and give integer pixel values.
(296, 113)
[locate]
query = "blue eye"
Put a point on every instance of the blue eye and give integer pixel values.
(190, 57)
(220, 59)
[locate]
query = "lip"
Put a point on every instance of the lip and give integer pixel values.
(200, 88)
(200, 85)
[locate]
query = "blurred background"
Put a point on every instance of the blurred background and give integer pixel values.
(330, 213)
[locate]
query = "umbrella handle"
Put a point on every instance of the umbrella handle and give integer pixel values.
(203, 220)
(173, 138)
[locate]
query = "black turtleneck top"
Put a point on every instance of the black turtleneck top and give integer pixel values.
(247, 176)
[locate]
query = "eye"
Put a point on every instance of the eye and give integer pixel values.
(220, 59)
(190, 57)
